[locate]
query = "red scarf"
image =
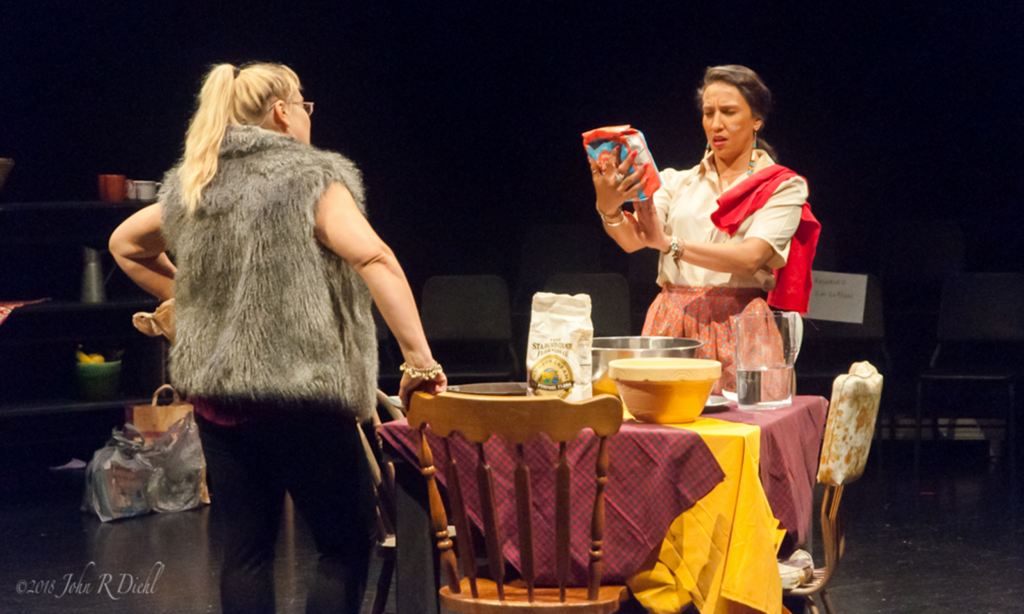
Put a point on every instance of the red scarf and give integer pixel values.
(793, 290)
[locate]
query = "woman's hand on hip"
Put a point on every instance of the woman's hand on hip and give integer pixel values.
(612, 185)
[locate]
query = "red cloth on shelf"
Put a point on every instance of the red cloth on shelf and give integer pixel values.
(793, 289)
(7, 307)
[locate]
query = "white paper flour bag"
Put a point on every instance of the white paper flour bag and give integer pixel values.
(558, 359)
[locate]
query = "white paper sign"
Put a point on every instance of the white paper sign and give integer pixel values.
(838, 297)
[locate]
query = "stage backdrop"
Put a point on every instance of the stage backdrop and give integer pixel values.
(466, 116)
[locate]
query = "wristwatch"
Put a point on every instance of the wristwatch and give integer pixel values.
(676, 249)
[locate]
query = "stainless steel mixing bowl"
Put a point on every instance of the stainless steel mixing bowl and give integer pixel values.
(607, 349)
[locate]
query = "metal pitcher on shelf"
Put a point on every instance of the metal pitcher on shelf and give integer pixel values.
(92, 277)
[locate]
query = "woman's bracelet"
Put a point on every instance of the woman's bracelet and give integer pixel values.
(428, 373)
(605, 218)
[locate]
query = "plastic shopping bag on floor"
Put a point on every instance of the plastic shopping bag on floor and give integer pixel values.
(178, 481)
(117, 476)
(128, 477)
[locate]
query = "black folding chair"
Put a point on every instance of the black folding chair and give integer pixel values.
(979, 343)
(467, 321)
(549, 249)
(609, 299)
(916, 260)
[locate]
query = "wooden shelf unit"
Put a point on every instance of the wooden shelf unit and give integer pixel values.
(41, 257)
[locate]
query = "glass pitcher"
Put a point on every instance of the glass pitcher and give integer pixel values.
(766, 350)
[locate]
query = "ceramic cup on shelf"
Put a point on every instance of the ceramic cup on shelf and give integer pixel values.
(114, 188)
(145, 190)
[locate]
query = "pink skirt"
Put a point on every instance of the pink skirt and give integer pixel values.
(708, 315)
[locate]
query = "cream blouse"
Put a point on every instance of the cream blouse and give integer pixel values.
(685, 203)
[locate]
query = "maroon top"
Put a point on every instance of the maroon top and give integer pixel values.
(233, 412)
(222, 413)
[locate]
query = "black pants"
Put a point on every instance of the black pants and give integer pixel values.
(315, 455)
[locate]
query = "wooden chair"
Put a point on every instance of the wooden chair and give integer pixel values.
(515, 420)
(383, 474)
(844, 452)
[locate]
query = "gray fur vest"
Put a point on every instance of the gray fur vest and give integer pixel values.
(263, 311)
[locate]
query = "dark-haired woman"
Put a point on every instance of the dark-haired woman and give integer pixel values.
(721, 226)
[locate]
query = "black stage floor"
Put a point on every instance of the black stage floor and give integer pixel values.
(953, 542)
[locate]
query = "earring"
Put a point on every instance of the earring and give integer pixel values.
(753, 155)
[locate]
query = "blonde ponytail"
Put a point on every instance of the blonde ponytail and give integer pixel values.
(228, 96)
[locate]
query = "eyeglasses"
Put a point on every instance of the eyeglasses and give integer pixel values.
(307, 105)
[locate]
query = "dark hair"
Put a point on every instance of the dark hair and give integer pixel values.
(753, 90)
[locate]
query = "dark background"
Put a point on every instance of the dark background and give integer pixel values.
(466, 116)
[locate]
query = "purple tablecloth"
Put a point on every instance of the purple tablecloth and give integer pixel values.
(656, 473)
(790, 444)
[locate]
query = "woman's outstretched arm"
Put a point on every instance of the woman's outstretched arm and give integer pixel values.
(343, 229)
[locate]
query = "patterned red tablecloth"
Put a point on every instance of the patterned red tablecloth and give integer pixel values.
(790, 444)
(6, 307)
(656, 473)
(645, 492)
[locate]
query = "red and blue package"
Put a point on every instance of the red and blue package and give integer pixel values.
(601, 143)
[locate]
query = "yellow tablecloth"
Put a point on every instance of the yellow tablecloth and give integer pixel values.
(721, 553)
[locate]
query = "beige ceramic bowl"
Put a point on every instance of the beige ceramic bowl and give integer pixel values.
(665, 390)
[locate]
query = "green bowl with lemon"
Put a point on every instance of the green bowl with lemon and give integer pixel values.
(98, 379)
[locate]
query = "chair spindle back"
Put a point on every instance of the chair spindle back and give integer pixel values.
(516, 420)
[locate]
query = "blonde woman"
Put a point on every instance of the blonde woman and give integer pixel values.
(274, 269)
